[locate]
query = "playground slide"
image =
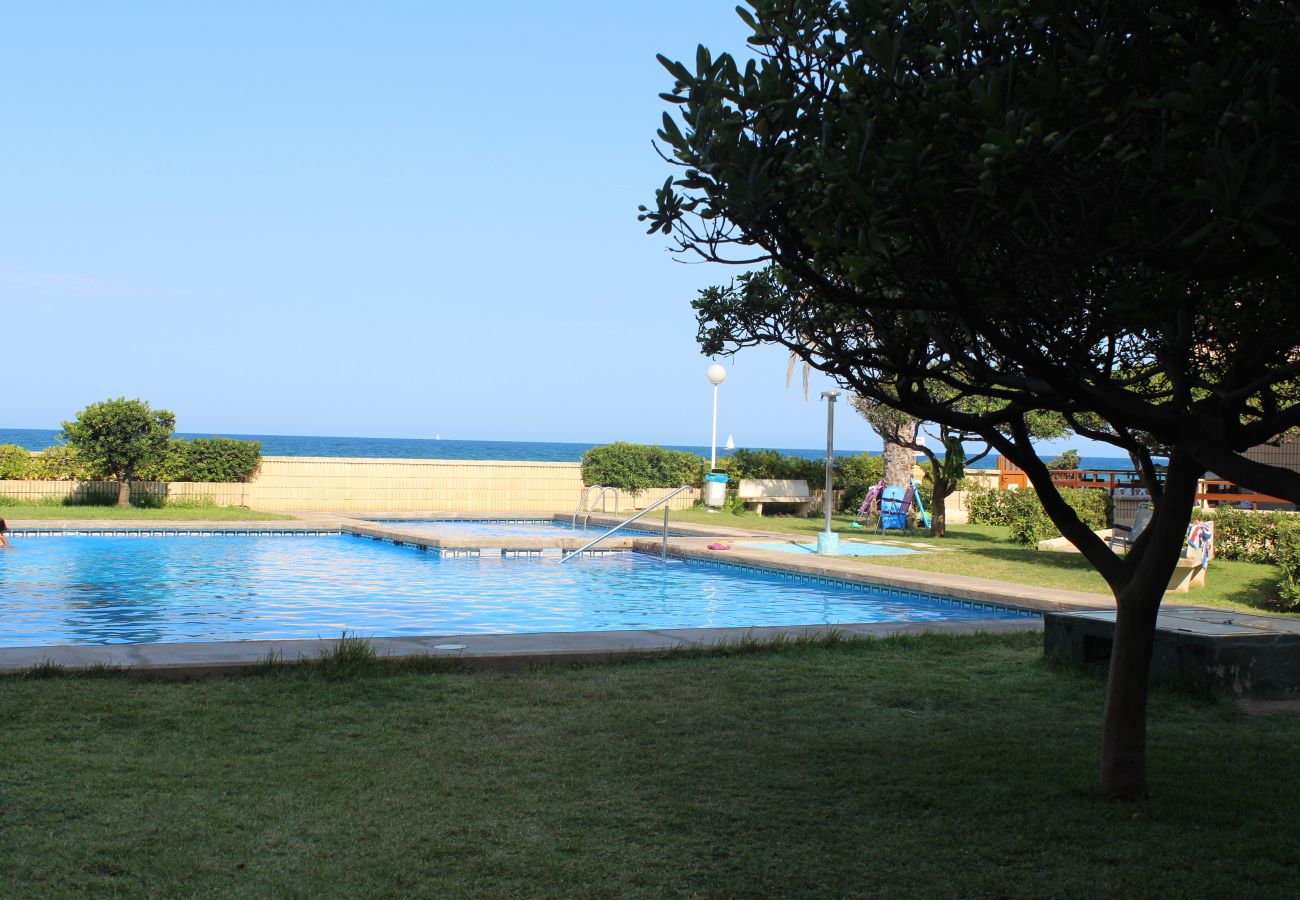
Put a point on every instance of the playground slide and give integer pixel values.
(920, 507)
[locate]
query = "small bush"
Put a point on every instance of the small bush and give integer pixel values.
(854, 476)
(770, 464)
(1288, 560)
(1030, 524)
(170, 465)
(15, 463)
(638, 467)
(1252, 536)
(59, 463)
(221, 460)
(851, 476)
(733, 504)
(990, 507)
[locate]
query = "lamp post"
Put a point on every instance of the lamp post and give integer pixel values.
(828, 542)
(716, 375)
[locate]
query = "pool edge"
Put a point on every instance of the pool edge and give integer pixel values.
(482, 652)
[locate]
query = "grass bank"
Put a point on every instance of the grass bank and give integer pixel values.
(986, 551)
(953, 766)
(181, 512)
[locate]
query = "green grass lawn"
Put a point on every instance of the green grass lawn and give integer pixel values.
(939, 766)
(186, 513)
(987, 552)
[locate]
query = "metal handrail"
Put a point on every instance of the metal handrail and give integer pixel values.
(660, 502)
(599, 497)
(582, 501)
(592, 495)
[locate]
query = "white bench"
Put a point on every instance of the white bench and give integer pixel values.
(1188, 573)
(758, 492)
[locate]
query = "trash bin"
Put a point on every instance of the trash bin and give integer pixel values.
(715, 489)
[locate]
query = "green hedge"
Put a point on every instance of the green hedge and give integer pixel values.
(1270, 538)
(1257, 537)
(770, 464)
(14, 462)
(638, 467)
(1288, 560)
(1023, 512)
(201, 459)
(852, 475)
(222, 459)
(987, 506)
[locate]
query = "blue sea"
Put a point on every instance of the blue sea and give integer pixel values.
(417, 448)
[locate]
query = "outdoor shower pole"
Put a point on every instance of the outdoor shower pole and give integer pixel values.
(828, 541)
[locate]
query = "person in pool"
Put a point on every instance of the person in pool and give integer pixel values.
(4, 541)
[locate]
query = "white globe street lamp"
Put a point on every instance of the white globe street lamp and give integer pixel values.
(716, 375)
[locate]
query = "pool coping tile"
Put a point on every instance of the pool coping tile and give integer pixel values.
(495, 652)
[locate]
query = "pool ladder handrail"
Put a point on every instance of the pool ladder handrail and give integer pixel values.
(589, 497)
(630, 519)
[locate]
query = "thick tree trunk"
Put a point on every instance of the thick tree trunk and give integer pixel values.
(1124, 727)
(899, 460)
(1137, 599)
(123, 492)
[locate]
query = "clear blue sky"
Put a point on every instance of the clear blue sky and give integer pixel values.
(381, 219)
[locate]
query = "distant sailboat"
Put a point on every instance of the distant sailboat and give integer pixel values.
(437, 437)
(730, 444)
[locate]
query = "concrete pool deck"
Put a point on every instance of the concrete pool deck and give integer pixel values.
(517, 651)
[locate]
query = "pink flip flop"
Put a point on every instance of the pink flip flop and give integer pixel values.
(718, 547)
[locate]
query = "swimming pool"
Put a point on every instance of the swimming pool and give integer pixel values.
(99, 589)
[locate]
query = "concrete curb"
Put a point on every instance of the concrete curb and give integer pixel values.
(479, 652)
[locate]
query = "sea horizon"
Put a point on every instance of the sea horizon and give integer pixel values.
(462, 449)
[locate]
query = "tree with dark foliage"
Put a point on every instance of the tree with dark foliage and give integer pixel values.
(1089, 209)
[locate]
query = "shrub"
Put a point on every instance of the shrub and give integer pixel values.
(1253, 536)
(987, 506)
(770, 464)
(1093, 506)
(1027, 520)
(59, 463)
(169, 465)
(15, 463)
(1288, 560)
(1029, 523)
(854, 476)
(221, 460)
(637, 467)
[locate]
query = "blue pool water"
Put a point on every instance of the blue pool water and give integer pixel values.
(846, 548)
(510, 528)
(85, 589)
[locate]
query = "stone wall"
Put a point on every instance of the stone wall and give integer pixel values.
(379, 485)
